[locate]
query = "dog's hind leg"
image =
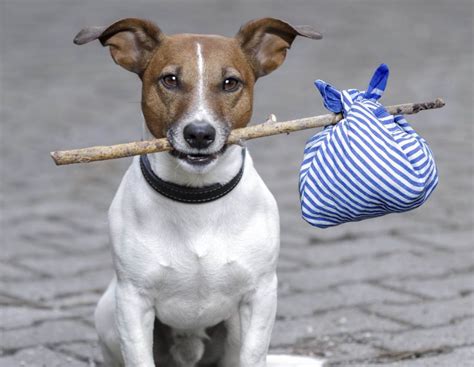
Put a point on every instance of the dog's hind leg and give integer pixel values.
(105, 326)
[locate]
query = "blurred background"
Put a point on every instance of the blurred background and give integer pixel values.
(396, 290)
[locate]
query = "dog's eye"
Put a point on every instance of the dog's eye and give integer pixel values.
(170, 81)
(230, 84)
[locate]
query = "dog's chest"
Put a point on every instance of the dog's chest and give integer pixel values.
(201, 289)
(199, 281)
(198, 267)
(196, 262)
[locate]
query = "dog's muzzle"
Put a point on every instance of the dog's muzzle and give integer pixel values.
(198, 143)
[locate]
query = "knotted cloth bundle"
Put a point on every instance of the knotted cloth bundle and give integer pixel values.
(369, 164)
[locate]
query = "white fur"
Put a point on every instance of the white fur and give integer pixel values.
(293, 361)
(202, 110)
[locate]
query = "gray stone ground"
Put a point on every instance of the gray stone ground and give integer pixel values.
(396, 291)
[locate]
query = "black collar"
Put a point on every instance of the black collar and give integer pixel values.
(186, 194)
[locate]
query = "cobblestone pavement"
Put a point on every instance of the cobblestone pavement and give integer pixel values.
(396, 291)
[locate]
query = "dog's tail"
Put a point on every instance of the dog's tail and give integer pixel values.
(188, 348)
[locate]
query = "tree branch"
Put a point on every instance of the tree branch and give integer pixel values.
(268, 128)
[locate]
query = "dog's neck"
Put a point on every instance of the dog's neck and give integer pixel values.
(167, 167)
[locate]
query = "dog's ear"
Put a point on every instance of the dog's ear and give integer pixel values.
(266, 40)
(131, 41)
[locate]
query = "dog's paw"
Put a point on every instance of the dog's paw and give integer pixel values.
(293, 361)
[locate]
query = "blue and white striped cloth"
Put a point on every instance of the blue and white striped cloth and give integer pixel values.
(369, 164)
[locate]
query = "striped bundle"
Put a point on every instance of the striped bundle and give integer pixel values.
(369, 164)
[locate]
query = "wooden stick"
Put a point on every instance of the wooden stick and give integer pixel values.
(101, 153)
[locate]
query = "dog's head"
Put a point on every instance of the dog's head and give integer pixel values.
(197, 88)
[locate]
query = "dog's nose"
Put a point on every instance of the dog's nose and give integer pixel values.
(199, 135)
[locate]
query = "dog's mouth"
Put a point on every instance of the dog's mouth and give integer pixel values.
(197, 159)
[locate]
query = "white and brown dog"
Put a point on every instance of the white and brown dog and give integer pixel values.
(194, 232)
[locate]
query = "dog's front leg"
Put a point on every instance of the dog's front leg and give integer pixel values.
(257, 316)
(135, 318)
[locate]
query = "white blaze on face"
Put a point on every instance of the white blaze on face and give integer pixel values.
(201, 111)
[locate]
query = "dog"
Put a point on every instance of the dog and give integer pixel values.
(194, 232)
